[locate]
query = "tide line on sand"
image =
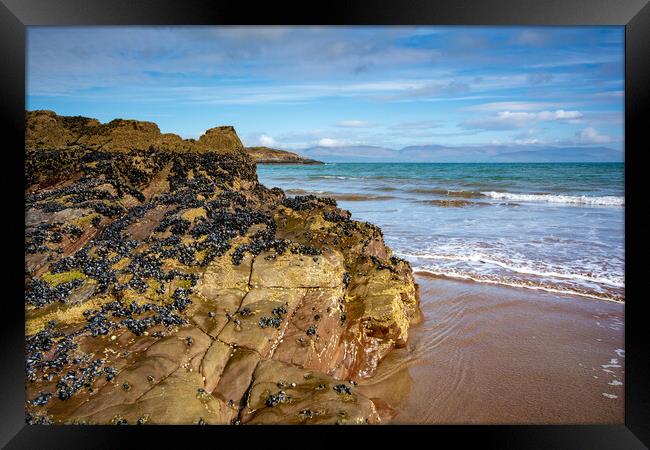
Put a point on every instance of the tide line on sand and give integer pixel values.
(514, 284)
(613, 281)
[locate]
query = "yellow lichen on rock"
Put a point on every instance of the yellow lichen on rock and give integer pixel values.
(54, 279)
(193, 213)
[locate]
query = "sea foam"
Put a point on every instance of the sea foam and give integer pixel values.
(567, 273)
(517, 284)
(607, 200)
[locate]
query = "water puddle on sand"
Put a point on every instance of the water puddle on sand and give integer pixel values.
(492, 354)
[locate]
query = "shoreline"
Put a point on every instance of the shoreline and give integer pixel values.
(584, 295)
(291, 163)
(490, 354)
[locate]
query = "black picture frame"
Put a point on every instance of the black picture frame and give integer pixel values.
(16, 15)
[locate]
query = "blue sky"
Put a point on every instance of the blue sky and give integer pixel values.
(298, 87)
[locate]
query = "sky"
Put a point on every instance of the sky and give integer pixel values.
(300, 87)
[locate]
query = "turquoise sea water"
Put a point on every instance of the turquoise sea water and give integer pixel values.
(556, 227)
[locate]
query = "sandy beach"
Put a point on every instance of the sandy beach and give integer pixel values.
(488, 354)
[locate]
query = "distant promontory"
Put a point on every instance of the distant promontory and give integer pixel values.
(266, 155)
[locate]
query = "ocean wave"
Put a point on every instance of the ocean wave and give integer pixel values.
(302, 192)
(526, 284)
(567, 273)
(454, 203)
(340, 195)
(607, 200)
(447, 192)
(387, 188)
(358, 197)
(335, 177)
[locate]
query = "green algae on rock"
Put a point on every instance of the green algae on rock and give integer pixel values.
(165, 285)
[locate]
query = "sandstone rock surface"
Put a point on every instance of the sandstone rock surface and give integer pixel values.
(165, 285)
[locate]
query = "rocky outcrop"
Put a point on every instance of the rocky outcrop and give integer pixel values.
(266, 155)
(165, 285)
(45, 130)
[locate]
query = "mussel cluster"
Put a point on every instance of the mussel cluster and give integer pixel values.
(307, 202)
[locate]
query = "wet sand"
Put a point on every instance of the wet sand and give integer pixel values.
(488, 354)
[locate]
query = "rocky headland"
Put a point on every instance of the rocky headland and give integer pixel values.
(266, 155)
(165, 285)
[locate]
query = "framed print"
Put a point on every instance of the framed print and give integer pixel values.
(403, 217)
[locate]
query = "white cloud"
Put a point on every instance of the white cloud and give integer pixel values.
(329, 142)
(511, 106)
(436, 89)
(506, 120)
(533, 37)
(266, 140)
(417, 125)
(539, 78)
(591, 136)
(250, 33)
(559, 114)
(610, 94)
(353, 124)
(529, 141)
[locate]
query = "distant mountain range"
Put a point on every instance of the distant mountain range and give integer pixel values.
(440, 153)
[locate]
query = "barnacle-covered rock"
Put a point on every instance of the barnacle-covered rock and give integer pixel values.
(165, 285)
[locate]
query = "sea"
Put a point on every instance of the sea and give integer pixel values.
(552, 227)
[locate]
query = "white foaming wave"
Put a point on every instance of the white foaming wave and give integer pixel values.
(477, 257)
(302, 191)
(337, 177)
(607, 200)
(516, 284)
